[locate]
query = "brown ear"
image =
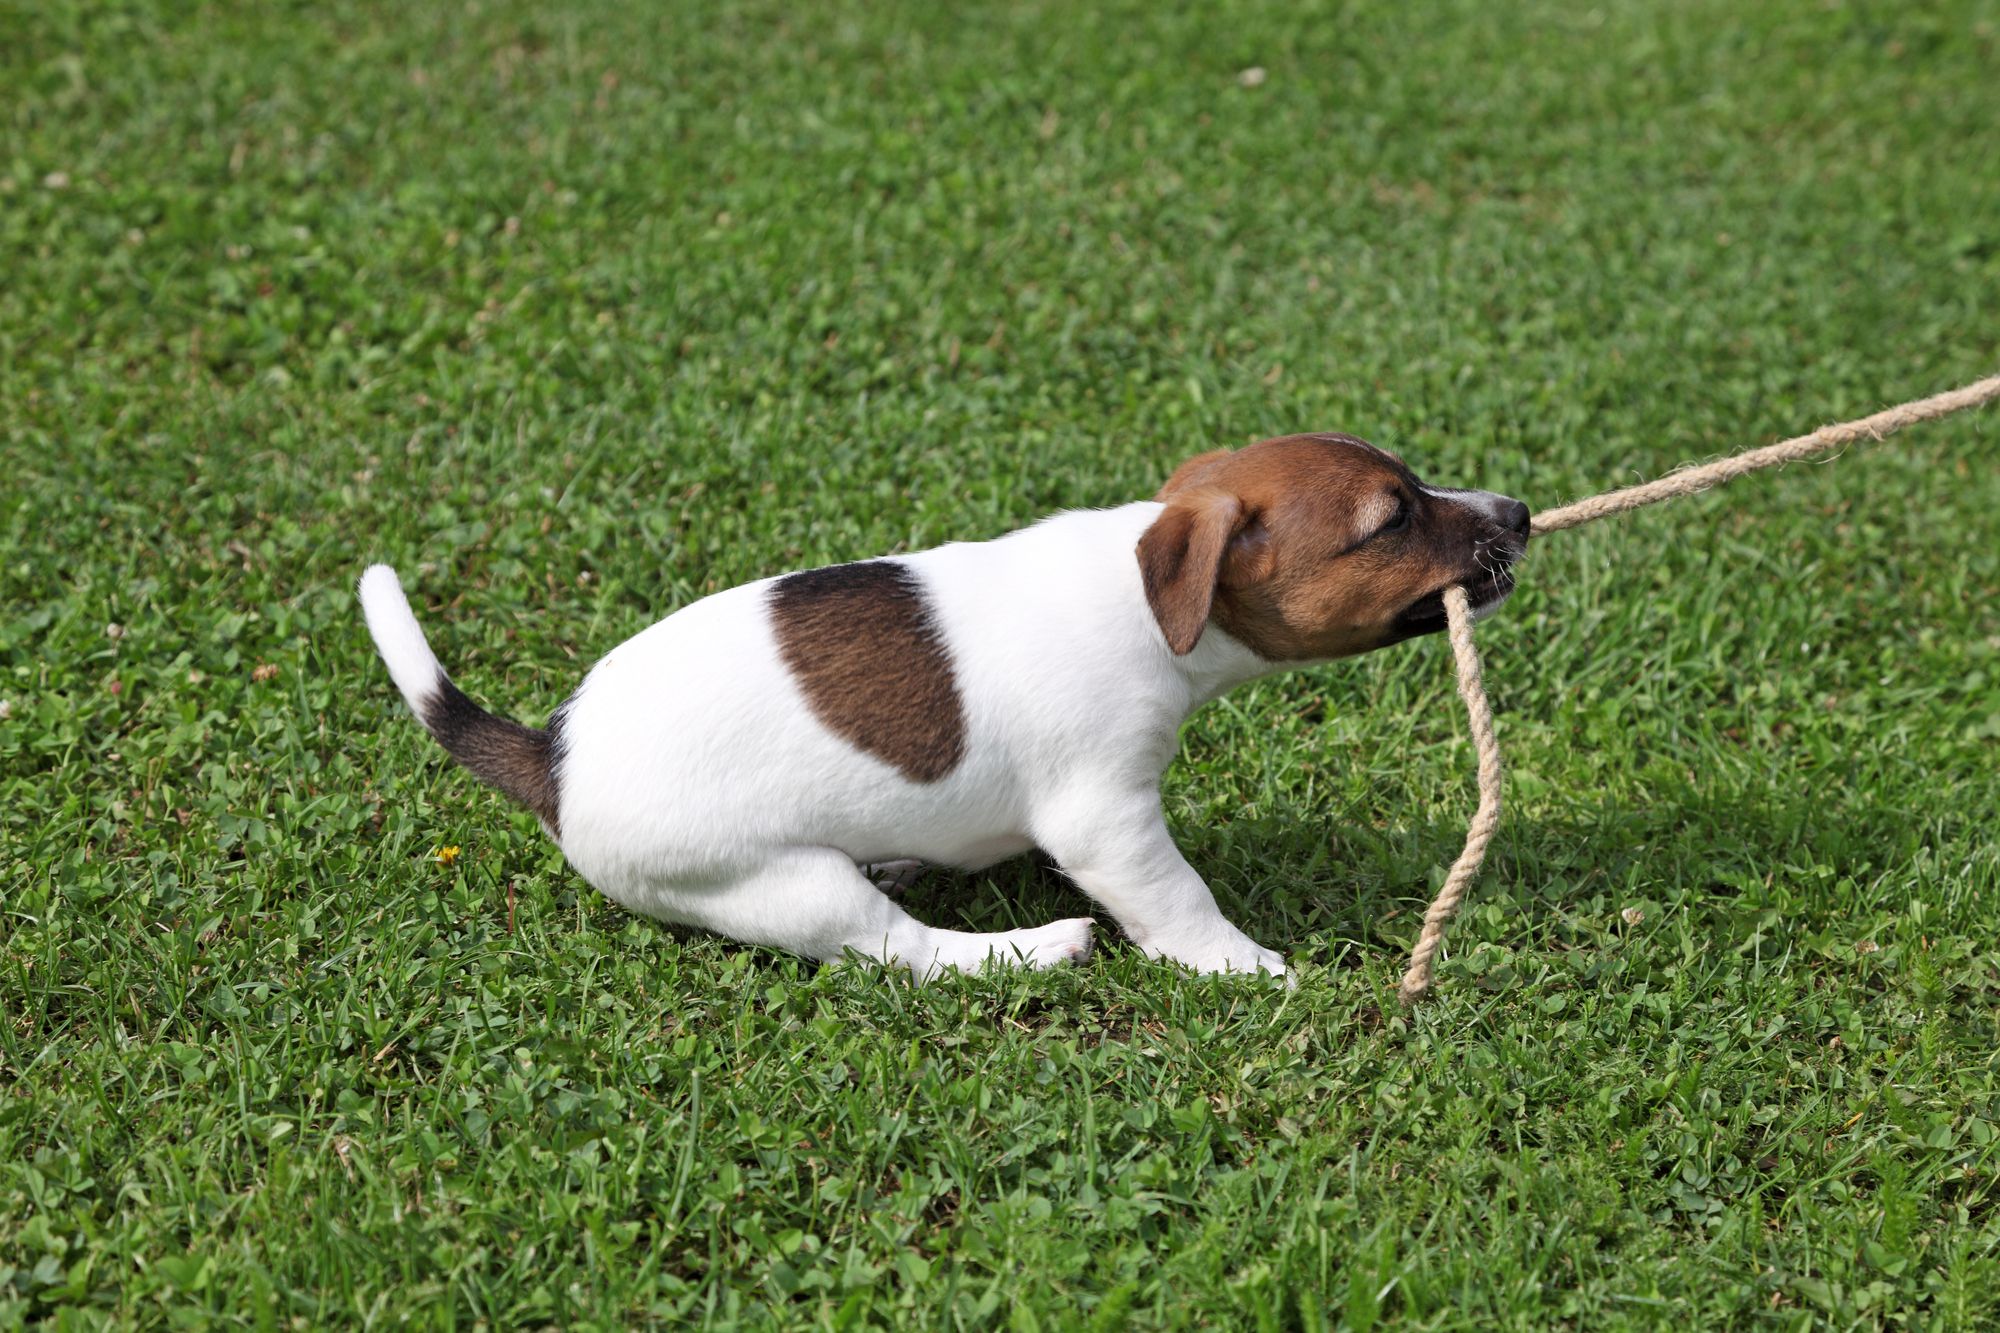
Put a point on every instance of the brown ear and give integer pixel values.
(1184, 475)
(1181, 557)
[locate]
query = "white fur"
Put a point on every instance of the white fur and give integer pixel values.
(398, 637)
(698, 787)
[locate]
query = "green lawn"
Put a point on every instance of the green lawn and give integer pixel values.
(578, 312)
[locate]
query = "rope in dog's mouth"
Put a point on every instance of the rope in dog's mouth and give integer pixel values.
(1416, 982)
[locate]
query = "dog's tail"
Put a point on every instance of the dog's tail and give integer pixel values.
(520, 761)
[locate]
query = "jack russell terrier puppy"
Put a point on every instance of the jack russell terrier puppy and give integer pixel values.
(737, 765)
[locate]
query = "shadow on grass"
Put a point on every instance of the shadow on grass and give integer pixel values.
(1720, 865)
(1289, 877)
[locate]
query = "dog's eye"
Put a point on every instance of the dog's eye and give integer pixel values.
(1401, 519)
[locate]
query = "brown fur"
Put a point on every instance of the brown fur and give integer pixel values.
(861, 642)
(1281, 545)
(521, 761)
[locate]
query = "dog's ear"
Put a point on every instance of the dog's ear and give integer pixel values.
(1205, 537)
(1185, 475)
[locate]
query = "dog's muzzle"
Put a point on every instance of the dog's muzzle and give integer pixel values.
(1490, 577)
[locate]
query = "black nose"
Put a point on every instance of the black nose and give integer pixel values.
(1514, 515)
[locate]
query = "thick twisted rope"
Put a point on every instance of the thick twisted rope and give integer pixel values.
(1458, 617)
(1416, 982)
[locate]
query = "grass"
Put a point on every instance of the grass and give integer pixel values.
(578, 313)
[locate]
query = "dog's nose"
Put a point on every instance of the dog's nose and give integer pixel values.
(1514, 515)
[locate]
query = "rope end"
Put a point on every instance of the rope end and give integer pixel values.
(1417, 979)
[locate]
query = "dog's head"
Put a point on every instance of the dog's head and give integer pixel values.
(1311, 547)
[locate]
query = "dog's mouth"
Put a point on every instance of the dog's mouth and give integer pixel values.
(1485, 592)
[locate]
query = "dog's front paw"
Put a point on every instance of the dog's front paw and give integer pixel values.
(1221, 954)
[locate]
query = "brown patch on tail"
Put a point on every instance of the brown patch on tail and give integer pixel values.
(518, 760)
(862, 643)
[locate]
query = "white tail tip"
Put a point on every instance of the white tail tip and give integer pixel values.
(412, 664)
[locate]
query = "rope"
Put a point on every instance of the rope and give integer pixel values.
(1827, 438)
(1416, 982)
(1458, 617)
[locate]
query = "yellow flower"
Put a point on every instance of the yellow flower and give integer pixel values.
(444, 856)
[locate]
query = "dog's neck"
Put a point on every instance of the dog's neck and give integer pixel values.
(1218, 664)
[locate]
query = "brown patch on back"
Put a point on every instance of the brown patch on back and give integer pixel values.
(1288, 534)
(861, 642)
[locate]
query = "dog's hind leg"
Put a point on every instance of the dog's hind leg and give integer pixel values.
(816, 902)
(895, 877)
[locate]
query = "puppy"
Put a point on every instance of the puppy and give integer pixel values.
(736, 765)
